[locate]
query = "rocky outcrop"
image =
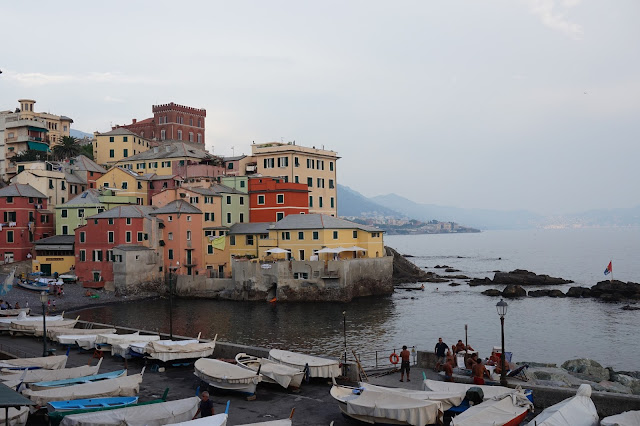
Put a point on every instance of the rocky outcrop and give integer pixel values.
(492, 292)
(513, 291)
(613, 291)
(539, 293)
(578, 292)
(405, 271)
(480, 281)
(556, 293)
(522, 277)
(586, 369)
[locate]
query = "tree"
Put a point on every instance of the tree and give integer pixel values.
(30, 155)
(67, 148)
(87, 151)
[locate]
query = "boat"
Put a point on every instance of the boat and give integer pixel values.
(578, 410)
(45, 362)
(448, 399)
(53, 332)
(272, 372)
(318, 367)
(68, 278)
(215, 420)
(170, 350)
(34, 286)
(112, 339)
(84, 341)
(91, 403)
(14, 312)
(17, 416)
(628, 418)
(509, 409)
(5, 323)
(488, 391)
(373, 406)
(77, 380)
(181, 410)
(121, 386)
(283, 422)
(36, 328)
(40, 375)
(223, 375)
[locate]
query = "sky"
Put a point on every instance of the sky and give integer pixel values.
(512, 104)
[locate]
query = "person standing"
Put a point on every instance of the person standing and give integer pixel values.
(205, 409)
(405, 365)
(440, 351)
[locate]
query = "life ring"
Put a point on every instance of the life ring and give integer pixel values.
(394, 359)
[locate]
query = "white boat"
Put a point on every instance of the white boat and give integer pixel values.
(5, 323)
(36, 328)
(181, 410)
(215, 420)
(578, 410)
(169, 350)
(113, 339)
(448, 399)
(223, 375)
(503, 410)
(84, 341)
(284, 422)
(628, 418)
(54, 332)
(318, 367)
(122, 386)
(17, 416)
(488, 391)
(14, 312)
(9, 366)
(372, 406)
(272, 372)
(40, 375)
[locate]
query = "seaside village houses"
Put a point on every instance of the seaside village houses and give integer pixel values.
(154, 204)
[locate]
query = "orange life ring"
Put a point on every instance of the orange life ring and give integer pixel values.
(393, 358)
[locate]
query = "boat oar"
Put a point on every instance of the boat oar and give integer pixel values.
(199, 334)
(226, 410)
(293, 410)
(424, 376)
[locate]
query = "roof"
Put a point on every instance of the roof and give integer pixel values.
(74, 178)
(88, 197)
(126, 211)
(118, 131)
(84, 163)
(236, 158)
(57, 239)
(224, 189)
(169, 150)
(21, 190)
(205, 191)
(177, 206)
(319, 221)
(250, 228)
(65, 118)
(11, 398)
(129, 247)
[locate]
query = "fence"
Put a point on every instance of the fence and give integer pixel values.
(379, 358)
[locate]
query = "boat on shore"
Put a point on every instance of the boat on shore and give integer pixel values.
(317, 366)
(36, 328)
(628, 418)
(226, 376)
(283, 422)
(579, 410)
(34, 286)
(41, 375)
(14, 312)
(45, 362)
(77, 380)
(272, 372)
(54, 333)
(215, 420)
(171, 350)
(91, 403)
(16, 417)
(5, 322)
(509, 409)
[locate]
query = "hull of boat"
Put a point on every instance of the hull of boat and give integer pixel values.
(368, 419)
(33, 286)
(91, 404)
(244, 388)
(296, 379)
(77, 380)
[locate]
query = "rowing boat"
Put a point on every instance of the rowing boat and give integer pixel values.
(223, 375)
(91, 403)
(271, 371)
(41, 375)
(17, 416)
(169, 350)
(215, 420)
(578, 410)
(318, 367)
(77, 380)
(14, 312)
(509, 409)
(54, 333)
(628, 418)
(9, 366)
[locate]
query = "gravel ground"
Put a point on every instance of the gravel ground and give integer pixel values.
(74, 298)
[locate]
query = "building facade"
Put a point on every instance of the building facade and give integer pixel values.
(270, 200)
(116, 145)
(54, 254)
(75, 213)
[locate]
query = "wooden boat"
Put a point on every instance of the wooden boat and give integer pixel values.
(41, 375)
(77, 380)
(215, 420)
(36, 328)
(14, 312)
(5, 322)
(34, 286)
(578, 410)
(318, 367)
(509, 409)
(181, 410)
(17, 416)
(46, 362)
(170, 350)
(91, 403)
(628, 418)
(447, 399)
(271, 371)
(283, 422)
(223, 375)
(53, 333)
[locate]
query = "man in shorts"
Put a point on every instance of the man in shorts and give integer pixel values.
(405, 365)
(440, 351)
(479, 372)
(448, 370)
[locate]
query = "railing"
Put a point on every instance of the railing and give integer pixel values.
(379, 358)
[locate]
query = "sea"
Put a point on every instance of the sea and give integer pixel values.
(546, 330)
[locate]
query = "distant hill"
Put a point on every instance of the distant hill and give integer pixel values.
(79, 134)
(352, 203)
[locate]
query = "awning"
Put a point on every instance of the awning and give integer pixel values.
(38, 146)
(37, 129)
(59, 247)
(11, 398)
(328, 250)
(278, 250)
(355, 248)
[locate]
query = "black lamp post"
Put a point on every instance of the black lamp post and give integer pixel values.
(344, 332)
(43, 299)
(171, 269)
(501, 306)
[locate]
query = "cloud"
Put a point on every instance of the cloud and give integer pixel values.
(547, 11)
(31, 79)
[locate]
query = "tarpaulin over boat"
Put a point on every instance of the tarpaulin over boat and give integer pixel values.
(214, 370)
(448, 399)
(46, 362)
(36, 327)
(14, 312)
(167, 350)
(33, 376)
(17, 416)
(54, 332)
(115, 339)
(181, 410)
(122, 386)
(318, 367)
(628, 418)
(578, 410)
(215, 420)
(85, 341)
(281, 373)
(496, 412)
(489, 391)
(5, 323)
(285, 422)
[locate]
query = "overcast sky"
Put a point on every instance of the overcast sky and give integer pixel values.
(492, 104)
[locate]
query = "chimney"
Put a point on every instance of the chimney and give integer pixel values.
(133, 121)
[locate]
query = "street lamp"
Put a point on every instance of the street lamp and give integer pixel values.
(174, 269)
(43, 299)
(344, 332)
(501, 306)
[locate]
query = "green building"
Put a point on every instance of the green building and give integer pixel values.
(73, 213)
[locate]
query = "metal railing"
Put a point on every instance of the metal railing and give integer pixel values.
(379, 358)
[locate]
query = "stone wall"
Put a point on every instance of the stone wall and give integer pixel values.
(138, 271)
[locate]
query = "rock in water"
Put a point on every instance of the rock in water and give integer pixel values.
(522, 277)
(587, 367)
(539, 293)
(492, 292)
(513, 291)
(578, 292)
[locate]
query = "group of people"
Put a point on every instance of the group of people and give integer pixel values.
(6, 305)
(445, 361)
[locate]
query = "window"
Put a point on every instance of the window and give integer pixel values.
(316, 235)
(112, 139)
(260, 199)
(330, 183)
(279, 216)
(283, 161)
(190, 136)
(51, 184)
(9, 236)
(170, 218)
(199, 138)
(112, 153)
(9, 200)
(241, 217)
(296, 161)
(63, 213)
(140, 236)
(194, 200)
(128, 236)
(310, 182)
(232, 240)
(163, 134)
(286, 235)
(320, 202)
(128, 221)
(310, 200)
(228, 217)
(199, 122)
(180, 135)
(296, 179)
(300, 254)
(242, 183)
(139, 185)
(110, 235)
(125, 139)
(301, 275)
(97, 255)
(62, 185)
(249, 240)
(331, 165)
(335, 235)
(269, 163)
(83, 236)
(110, 221)
(80, 212)
(230, 165)
(109, 255)
(333, 204)
(170, 236)
(241, 201)
(355, 234)
(125, 185)
(280, 199)
(228, 199)
(125, 153)
(188, 235)
(209, 249)
(170, 254)
(301, 235)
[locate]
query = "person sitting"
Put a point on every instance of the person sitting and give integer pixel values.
(450, 357)
(479, 371)
(458, 347)
(469, 348)
(448, 370)
(17, 306)
(471, 361)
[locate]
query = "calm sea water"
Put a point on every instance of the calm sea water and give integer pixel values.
(536, 329)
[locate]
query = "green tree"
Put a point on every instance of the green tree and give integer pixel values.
(67, 148)
(87, 151)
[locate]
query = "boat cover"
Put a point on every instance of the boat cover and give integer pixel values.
(167, 350)
(219, 371)
(49, 384)
(215, 420)
(495, 412)
(181, 410)
(285, 422)
(85, 341)
(628, 418)
(12, 312)
(34, 376)
(318, 367)
(448, 399)
(5, 323)
(36, 327)
(578, 410)
(395, 406)
(17, 416)
(54, 332)
(116, 339)
(122, 386)
(47, 362)
(489, 391)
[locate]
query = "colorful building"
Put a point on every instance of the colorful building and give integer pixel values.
(121, 226)
(116, 145)
(41, 176)
(293, 163)
(81, 173)
(54, 254)
(240, 165)
(25, 219)
(126, 183)
(270, 200)
(74, 213)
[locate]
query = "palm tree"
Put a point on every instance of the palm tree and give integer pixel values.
(67, 148)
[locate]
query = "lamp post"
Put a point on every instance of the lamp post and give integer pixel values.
(43, 299)
(344, 332)
(501, 306)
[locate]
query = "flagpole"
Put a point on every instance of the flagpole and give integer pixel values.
(611, 279)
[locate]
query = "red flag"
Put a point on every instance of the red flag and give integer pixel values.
(609, 269)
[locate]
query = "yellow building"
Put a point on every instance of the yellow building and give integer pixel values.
(41, 176)
(172, 158)
(294, 163)
(112, 147)
(126, 183)
(54, 254)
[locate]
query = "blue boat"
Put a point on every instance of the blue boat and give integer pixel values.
(91, 404)
(33, 285)
(77, 380)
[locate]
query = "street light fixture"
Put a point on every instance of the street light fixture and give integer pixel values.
(43, 299)
(501, 306)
